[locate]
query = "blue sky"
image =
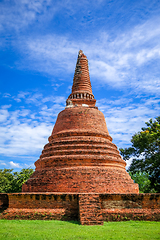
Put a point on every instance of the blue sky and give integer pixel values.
(39, 44)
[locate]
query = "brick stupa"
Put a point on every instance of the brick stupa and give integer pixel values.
(80, 156)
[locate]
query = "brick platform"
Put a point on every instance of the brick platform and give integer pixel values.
(89, 209)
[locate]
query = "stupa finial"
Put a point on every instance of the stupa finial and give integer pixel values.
(80, 52)
(81, 89)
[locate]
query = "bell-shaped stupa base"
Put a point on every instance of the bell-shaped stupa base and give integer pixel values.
(80, 157)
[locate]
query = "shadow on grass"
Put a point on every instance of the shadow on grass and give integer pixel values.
(74, 222)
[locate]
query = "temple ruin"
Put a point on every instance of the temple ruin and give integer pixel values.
(80, 156)
(80, 174)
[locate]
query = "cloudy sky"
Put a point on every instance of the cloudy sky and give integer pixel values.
(39, 44)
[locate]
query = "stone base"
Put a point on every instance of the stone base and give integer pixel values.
(89, 209)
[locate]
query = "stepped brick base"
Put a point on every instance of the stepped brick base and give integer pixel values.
(81, 180)
(89, 209)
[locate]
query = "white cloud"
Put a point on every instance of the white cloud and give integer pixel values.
(3, 115)
(29, 165)
(25, 132)
(3, 163)
(56, 86)
(51, 50)
(37, 98)
(6, 95)
(129, 61)
(17, 14)
(123, 120)
(104, 71)
(14, 165)
(19, 138)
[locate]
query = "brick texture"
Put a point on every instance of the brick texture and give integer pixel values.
(64, 204)
(80, 173)
(81, 89)
(90, 209)
(80, 164)
(127, 201)
(80, 156)
(3, 200)
(124, 207)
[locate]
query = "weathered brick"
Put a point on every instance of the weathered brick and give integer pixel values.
(80, 156)
(88, 208)
(80, 173)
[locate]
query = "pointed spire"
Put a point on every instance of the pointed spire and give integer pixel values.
(81, 89)
(81, 80)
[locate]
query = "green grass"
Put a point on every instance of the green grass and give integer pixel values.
(39, 229)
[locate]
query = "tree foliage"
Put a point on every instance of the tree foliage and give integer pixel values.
(142, 178)
(11, 182)
(145, 151)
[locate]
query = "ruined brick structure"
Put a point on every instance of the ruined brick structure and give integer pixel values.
(87, 208)
(80, 156)
(80, 174)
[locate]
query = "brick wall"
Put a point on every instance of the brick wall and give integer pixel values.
(88, 208)
(3, 200)
(43, 200)
(46, 206)
(123, 207)
(66, 202)
(122, 201)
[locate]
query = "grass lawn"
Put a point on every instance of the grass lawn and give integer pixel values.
(40, 229)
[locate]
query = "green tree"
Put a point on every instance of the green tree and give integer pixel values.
(145, 151)
(20, 178)
(6, 179)
(142, 178)
(12, 181)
